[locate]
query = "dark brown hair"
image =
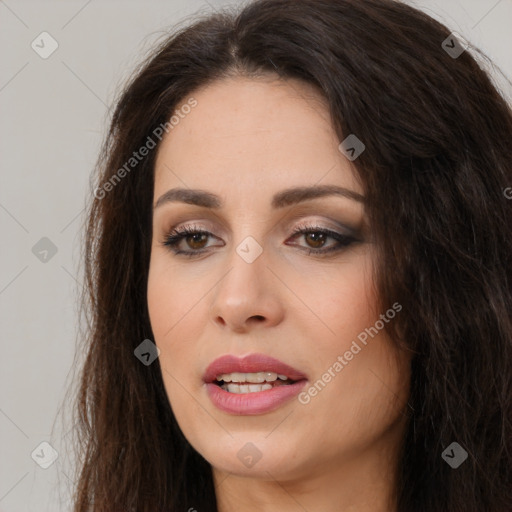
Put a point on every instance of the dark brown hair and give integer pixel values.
(438, 158)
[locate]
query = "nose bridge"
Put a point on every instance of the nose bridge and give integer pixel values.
(244, 281)
(246, 290)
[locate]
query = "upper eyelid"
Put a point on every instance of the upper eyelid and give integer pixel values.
(290, 223)
(300, 226)
(298, 213)
(180, 232)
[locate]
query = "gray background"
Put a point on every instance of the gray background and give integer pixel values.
(54, 113)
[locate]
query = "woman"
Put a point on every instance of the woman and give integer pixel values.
(299, 271)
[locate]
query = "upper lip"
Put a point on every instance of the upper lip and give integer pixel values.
(251, 363)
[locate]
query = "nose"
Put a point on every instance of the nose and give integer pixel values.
(248, 296)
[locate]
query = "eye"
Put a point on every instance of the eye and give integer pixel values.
(194, 237)
(315, 236)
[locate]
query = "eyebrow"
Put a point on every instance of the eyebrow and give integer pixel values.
(282, 199)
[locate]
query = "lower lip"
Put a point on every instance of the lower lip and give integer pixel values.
(258, 402)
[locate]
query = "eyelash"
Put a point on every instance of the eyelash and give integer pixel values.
(176, 235)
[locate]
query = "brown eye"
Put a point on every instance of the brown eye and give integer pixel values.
(197, 240)
(316, 239)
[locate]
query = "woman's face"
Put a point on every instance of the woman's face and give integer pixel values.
(250, 286)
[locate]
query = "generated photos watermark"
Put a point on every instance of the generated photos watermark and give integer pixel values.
(144, 150)
(343, 360)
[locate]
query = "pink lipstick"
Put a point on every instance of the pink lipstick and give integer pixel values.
(270, 383)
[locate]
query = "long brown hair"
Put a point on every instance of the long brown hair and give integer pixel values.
(438, 159)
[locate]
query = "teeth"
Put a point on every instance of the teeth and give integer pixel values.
(256, 378)
(246, 388)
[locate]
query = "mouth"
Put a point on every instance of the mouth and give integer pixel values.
(250, 374)
(253, 385)
(251, 382)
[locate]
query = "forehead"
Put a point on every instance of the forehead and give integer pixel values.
(243, 132)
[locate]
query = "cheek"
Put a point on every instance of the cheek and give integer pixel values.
(170, 299)
(370, 381)
(171, 309)
(346, 302)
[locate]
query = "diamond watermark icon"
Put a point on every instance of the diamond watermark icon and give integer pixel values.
(249, 249)
(44, 250)
(44, 45)
(44, 455)
(454, 45)
(454, 455)
(352, 147)
(249, 454)
(147, 352)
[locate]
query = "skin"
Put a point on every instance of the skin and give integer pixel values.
(246, 140)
